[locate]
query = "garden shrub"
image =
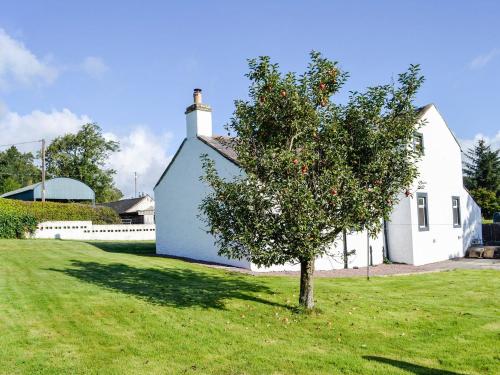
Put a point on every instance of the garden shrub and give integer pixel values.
(20, 217)
(16, 225)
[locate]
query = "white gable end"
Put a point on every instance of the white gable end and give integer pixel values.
(180, 231)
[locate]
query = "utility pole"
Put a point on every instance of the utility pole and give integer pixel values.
(43, 170)
(135, 184)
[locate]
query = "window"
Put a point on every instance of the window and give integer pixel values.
(418, 142)
(455, 205)
(423, 214)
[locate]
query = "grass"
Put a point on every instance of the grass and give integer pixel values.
(102, 308)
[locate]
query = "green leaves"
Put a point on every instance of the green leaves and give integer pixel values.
(83, 156)
(312, 167)
(482, 177)
(17, 170)
(19, 217)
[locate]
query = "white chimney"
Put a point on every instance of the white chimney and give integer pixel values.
(198, 117)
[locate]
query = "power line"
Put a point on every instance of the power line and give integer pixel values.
(20, 143)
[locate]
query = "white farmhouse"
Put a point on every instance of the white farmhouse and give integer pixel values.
(438, 222)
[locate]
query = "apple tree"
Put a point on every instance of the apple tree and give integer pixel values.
(311, 166)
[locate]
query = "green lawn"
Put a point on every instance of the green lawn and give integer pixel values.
(70, 307)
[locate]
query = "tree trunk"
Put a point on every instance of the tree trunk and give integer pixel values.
(306, 298)
(344, 240)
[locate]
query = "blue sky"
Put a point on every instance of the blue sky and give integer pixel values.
(131, 65)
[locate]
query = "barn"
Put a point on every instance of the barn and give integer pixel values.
(60, 189)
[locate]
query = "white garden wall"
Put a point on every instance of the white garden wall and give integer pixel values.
(85, 230)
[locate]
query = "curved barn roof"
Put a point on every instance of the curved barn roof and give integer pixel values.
(59, 188)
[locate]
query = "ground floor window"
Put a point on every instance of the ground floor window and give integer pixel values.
(455, 205)
(423, 214)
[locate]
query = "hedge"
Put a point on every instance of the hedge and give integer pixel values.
(19, 217)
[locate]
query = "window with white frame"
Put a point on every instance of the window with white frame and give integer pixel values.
(423, 211)
(418, 142)
(455, 205)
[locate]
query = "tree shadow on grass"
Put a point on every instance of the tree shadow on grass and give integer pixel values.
(176, 287)
(129, 247)
(410, 367)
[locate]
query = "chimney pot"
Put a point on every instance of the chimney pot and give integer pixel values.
(197, 96)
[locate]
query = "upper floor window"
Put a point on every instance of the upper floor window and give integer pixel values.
(423, 212)
(455, 205)
(418, 142)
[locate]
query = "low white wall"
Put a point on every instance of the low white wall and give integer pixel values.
(85, 230)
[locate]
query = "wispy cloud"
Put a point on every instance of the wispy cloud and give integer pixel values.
(142, 150)
(482, 60)
(35, 125)
(94, 66)
(493, 141)
(19, 66)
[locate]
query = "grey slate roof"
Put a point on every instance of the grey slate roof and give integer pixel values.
(223, 145)
(123, 205)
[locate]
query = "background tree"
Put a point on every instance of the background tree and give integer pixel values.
(312, 168)
(17, 169)
(83, 156)
(482, 177)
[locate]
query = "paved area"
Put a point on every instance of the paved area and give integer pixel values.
(379, 270)
(401, 269)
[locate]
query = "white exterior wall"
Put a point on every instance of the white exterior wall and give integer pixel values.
(399, 233)
(471, 220)
(143, 204)
(85, 230)
(441, 172)
(198, 122)
(333, 260)
(178, 196)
